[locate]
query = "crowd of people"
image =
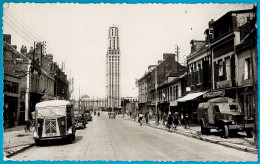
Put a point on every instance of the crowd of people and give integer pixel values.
(171, 121)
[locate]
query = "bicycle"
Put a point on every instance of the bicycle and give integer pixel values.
(29, 126)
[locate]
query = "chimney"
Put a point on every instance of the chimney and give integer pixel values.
(7, 38)
(31, 50)
(23, 50)
(168, 55)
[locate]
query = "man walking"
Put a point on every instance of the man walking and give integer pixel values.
(176, 120)
(169, 122)
(186, 121)
(140, 118)
(146, 117)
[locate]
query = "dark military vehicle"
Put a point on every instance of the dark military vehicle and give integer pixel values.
(223, 114)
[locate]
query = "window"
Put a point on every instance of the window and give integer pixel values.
(247, 69)
(228, 69)
(11, 87)
(220, 68)
(177, 95)
(216, 108)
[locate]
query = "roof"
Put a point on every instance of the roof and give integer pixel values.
(221, 100)
(53, 103)
(190, 96)
(232, 12)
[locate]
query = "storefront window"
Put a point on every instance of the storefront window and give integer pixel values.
(10, 87)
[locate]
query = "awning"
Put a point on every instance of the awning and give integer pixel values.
(190, 96)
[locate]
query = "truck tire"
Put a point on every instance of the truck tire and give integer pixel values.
(37, 143)
(249, 133)
(207, 131)
(70, 139)
(224, 131)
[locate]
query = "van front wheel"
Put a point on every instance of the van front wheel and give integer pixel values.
(225, 131)
(70, 139)
(249, 133)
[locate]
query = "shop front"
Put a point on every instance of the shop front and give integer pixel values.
(189, 105)
(11, 101)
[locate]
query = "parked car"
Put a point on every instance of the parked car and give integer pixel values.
(88, 115)
(223, 114)
(112, 115)
(80, 120)
(54, 120)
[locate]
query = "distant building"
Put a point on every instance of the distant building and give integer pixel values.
(113, 69)
(159, 85)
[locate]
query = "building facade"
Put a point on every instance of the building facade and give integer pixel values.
(157, 87)
(29, 79)
(113, 69)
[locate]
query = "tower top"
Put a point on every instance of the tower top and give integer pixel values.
(113, 37)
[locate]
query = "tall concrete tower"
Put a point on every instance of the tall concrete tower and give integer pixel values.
(113, 69)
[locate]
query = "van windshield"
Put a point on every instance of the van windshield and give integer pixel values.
(226, 107)
(51, 111)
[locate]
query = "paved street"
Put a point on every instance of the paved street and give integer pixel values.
(117, 139)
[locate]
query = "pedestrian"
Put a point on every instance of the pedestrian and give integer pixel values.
(164, 119)
(130, 114)
(186, 121)
(176, 121)
(169, 122)
(146, 117)
(140, 118)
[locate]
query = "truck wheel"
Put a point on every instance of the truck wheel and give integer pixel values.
(249, 133)
(207, 131)
(224, 131)
(70, 139)
(37, 143)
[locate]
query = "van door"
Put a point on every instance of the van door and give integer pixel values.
(216, 113)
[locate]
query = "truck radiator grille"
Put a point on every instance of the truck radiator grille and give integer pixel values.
(50, 126)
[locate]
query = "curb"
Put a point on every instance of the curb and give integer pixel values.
(230, 145)
(20, 150)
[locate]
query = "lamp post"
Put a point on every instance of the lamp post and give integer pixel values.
(27, 93)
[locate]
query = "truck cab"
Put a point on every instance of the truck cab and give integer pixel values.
(223, 114)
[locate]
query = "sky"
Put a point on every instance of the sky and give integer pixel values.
(77, 34)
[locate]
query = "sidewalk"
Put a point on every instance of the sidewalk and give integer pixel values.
(16, 140)
(240, 141)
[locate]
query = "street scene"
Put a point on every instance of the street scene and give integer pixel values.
(130, 82)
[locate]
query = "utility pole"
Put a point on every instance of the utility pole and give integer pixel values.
(177, 48)
(28, 88)
(79, 98)
(156, 99)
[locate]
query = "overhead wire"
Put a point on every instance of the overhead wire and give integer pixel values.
(19, 28)
(18, 33)
(222, 12)
(36, 36)
(7, 13)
